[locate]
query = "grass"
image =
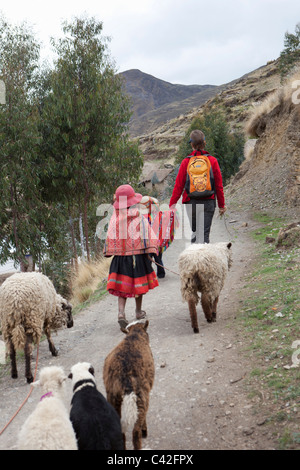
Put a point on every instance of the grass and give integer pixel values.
(279, 98)
(270, 314)
(88, 283)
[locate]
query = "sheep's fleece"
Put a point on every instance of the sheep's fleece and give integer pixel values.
(49, 427)
(203, 268)
(28, 304)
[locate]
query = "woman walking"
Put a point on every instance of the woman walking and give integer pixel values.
(195, 172)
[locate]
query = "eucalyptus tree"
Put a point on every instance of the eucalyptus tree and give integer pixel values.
(85, 115)
(290, 55)
(22, 212)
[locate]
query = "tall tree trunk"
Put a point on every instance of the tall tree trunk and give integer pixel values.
(85, 205)
(75, 256)
(81, 237)
(86, 227)
(14, 215)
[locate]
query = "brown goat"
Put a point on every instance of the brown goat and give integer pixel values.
(128, 376)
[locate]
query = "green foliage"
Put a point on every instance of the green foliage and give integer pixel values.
(85, 116)
(270, 316)
(291, 52)
(226, 146)
(64, 146)
(22, 211)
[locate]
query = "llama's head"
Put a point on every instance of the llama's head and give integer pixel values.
(136, 326)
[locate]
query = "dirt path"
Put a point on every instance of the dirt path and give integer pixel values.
(199, 400)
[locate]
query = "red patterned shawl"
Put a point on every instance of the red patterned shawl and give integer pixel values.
(129, 233)
(163, 223)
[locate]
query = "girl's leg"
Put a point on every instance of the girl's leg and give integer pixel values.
(139, 313)
(121, 315)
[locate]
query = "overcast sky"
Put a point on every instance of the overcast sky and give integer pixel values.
(180, 41)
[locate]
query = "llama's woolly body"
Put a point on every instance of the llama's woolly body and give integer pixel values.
(203, 269)
(29, 307)
(128, 376)
(29, 304)
(27, 301)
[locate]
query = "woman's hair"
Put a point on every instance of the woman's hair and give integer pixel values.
(197, 139)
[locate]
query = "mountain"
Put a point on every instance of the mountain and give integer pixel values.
(236, 98)
(270, 175)
(155, 101)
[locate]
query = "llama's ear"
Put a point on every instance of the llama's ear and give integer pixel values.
(92, 370)
(70, 376)
(229, 245)
(124, 331)
(146, 324)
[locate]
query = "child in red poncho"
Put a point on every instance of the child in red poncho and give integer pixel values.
(130, 239)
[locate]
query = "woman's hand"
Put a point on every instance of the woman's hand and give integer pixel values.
(222, 210)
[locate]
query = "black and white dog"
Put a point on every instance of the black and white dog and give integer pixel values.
(95, 422)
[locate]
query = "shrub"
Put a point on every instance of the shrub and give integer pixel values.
(221, 142)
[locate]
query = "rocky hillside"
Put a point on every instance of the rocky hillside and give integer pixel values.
(237, 99)
(155, 101)
(262, 107)
(270, 178)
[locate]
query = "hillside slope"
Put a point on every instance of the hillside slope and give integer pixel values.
(270, 179)
(155, 101)
(236, 98)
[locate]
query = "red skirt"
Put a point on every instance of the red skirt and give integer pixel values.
(131, 276)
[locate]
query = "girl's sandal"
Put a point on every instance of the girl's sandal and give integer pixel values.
(122, 321)
(140, 315)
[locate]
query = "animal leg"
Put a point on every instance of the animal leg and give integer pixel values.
(12, 355)
(193, 315)
(117, 404)
(28, 351)
(137, 432)
(144, 429)
(140, 426)
(137, 437)
(52, 348)
(207, 308)
(143, 414)
(214, 314)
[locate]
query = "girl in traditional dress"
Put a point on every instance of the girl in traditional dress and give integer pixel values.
(130, 240)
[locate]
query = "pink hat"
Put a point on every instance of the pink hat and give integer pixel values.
(125, 196)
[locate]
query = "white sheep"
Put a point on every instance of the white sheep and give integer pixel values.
(203, 269)
(49, 426)
(29, 307)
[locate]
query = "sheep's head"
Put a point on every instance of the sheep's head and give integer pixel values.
(67, 308)
(82, 371)
(63, 314)
(229, 245)
(52, 379)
